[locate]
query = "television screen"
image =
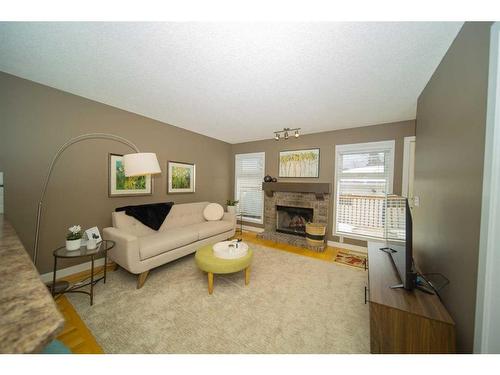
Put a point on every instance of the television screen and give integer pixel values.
(399, 239)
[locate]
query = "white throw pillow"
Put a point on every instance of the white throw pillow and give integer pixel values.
(213, 212)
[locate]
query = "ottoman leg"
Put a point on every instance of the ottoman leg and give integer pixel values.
(210, 283)
(247, 275)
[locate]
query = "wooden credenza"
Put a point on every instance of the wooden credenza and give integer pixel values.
(404, 321)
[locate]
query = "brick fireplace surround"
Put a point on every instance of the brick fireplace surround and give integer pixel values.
(293, 199)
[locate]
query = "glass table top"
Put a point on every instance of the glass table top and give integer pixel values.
(103, 246)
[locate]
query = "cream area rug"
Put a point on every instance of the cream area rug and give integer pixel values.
(293, 304)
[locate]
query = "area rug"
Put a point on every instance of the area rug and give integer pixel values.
(351, 258)
(293, 304)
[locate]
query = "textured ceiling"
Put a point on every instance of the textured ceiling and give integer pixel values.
(236, 82)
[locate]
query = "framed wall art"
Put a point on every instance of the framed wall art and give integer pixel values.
(93, 233)
(299, 163)
(122, 186)
(181, 177)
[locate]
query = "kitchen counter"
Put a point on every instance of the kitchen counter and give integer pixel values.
(29, 318)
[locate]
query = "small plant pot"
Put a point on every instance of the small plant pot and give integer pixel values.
(231, 209)
(72, 245)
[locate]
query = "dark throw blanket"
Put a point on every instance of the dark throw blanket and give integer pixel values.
(151, 215)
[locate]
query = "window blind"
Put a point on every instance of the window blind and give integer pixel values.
(363, 180)
(395, 218)
(249, 174)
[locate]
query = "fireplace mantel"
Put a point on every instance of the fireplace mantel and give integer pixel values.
(318, 188)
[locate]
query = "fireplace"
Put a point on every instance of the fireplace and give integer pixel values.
(293, 220)
(297, 200)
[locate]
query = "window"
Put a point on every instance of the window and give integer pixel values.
(249, 174)
(363, 178)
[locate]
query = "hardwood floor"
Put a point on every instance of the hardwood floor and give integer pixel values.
(75, 335)
(78, 338)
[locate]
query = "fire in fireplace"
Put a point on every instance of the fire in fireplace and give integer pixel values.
(293, 220)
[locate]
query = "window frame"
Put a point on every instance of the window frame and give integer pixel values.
(246, 218)
(388, 145)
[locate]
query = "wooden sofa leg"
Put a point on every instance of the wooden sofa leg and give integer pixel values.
(141, 279)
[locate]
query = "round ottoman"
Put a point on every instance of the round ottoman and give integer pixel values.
(208, 262)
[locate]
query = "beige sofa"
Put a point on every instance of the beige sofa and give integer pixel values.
(139, 248)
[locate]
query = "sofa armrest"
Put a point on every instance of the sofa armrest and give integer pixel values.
(229, 217)
(126, 249)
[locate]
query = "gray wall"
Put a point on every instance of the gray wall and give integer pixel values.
(36, 120)
(451, 119)
(326, 142)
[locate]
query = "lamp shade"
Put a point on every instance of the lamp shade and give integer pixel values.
(141, 163)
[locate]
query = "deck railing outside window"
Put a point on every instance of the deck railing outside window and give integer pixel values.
(371, 216)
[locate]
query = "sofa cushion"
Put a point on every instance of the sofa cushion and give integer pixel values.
(130, 225)
(161, 242)
(213, 212)
(184, 214)
(211, 228)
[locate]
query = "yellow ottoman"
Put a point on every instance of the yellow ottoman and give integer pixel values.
(208, 262)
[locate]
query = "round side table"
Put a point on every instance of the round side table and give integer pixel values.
(101, 249)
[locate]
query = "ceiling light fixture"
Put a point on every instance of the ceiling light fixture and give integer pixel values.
(286, 133)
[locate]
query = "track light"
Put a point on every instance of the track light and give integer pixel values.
(286, 133)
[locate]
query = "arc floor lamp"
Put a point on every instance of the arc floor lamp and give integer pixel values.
(135, 164)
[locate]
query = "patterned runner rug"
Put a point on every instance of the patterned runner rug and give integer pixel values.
(351, 258)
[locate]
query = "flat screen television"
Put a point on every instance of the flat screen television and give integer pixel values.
(401, 252)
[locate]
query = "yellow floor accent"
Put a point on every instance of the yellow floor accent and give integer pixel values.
(328, 255)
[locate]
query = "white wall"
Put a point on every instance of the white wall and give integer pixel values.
(487, 329)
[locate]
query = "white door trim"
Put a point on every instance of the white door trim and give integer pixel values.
(487, 330)
(406, 165)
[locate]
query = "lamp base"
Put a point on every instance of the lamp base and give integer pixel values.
(59, 287)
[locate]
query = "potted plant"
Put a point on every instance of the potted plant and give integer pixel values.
(74, 238)
(231, 206)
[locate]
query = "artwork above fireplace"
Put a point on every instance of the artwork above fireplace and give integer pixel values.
(293, 220)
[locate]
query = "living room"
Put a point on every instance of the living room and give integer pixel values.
(227, 188)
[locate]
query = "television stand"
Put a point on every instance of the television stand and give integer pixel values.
(419, 287)
(404, 321)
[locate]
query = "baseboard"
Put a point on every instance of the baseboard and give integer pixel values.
(253, 229)
(47, 277)
(347, 246)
